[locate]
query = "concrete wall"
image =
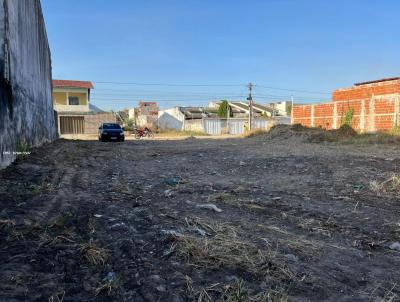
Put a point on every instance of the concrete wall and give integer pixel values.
(194, 125)
(93, 121)
(26, 109)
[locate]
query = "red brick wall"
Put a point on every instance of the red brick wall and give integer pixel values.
(376, 114)
(366, 91)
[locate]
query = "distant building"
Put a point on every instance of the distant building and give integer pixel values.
(181, 118)
(145, 115)
(281, 108)
(241, 109)
(75, 114)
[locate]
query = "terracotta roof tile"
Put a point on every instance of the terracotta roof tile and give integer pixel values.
(72, 84)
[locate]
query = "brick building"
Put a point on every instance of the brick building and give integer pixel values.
(373, 106)
(146, 114)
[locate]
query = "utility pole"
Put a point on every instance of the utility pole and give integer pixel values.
(291, 111)
(250, 99)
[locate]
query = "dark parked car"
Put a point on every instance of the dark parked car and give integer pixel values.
(111, 132)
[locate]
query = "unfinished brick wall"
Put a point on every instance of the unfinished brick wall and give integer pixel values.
(369, 115)
(366, 91)
(375, 107)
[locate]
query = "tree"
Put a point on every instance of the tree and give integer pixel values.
(223, 109)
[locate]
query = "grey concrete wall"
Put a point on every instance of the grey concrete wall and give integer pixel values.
(93, 121)
(26, 109)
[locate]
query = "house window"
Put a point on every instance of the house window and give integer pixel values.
(73, 100)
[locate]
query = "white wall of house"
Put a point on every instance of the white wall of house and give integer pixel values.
(281, 107)
(131, 113)
(171, 119)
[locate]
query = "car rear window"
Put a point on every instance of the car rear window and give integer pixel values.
(111, 126)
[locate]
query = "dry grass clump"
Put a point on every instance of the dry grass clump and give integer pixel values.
(57, 297)
(390, 185)
(94, 254)
(255, 132)
(226, 249)
(172, 133)
(6, 223)
(232, 292)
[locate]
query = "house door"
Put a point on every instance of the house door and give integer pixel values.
(71, 124)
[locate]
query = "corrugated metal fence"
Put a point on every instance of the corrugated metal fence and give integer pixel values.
(233, 126)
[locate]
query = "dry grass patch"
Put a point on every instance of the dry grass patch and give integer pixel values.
(93, 254)
(255, 132)
(390, 185)
(226, 249)
(6, 223)
(232, 292)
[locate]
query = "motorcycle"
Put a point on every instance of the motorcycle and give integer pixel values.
(139, 133)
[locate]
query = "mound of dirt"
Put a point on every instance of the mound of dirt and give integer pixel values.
(307, 134)
(296, 131)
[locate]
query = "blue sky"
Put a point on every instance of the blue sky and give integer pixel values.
(296, 45)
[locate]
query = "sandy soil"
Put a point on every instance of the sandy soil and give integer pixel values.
(267, 218)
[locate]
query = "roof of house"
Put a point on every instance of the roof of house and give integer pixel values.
(72, 84)
(377, 81)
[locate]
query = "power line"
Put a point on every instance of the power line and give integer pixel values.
(208, 85)
(293, 90)
(169, 85)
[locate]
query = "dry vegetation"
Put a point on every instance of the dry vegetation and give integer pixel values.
(294, 214)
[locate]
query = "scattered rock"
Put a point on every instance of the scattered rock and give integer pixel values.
(291, 257)
(209, 206)
(168, 193)
(172, 233)
(242, 163)
(174, 181)
(110, 277)
(201, 232)
(395, 246)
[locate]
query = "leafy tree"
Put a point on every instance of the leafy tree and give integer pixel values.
(223, 109)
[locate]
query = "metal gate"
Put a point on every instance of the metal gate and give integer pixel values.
(236, 126)
(72, 124)
(212, 126)
(233, 126)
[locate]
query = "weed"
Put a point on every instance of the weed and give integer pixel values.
(6, 223)
(347, 117)
(109, 284)
(93, 254)
(57, 297)
(63, 219)
(22, 149)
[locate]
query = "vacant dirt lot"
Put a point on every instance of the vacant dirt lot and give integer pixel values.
(267, 218)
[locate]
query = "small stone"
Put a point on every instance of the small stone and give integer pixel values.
(395, 246)
(242, 163)
(168, 193)
(291, 257)
(209, 206)
(161, 288)
(172, 233)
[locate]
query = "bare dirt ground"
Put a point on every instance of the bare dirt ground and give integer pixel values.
(267, 218)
